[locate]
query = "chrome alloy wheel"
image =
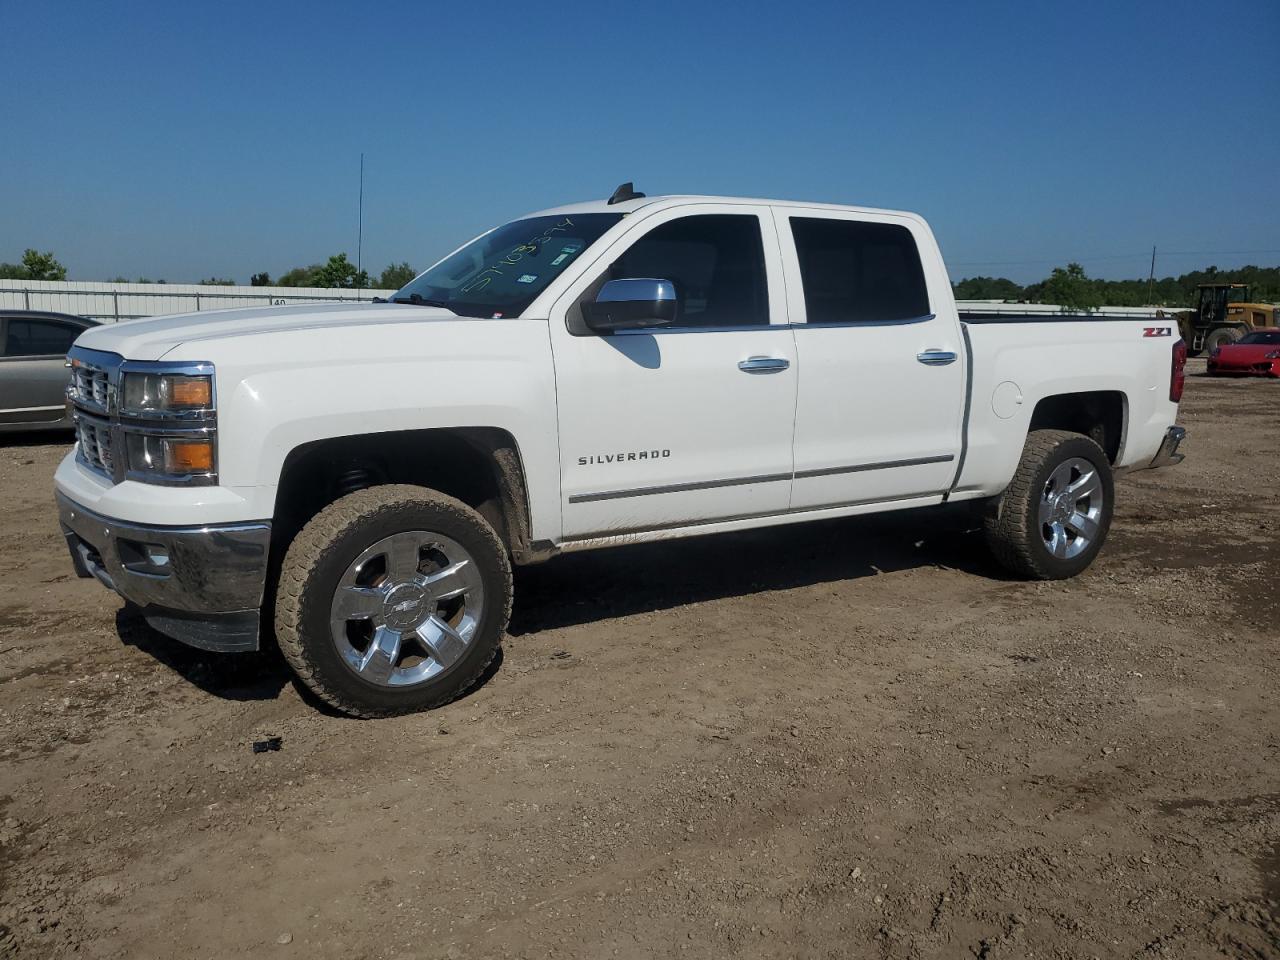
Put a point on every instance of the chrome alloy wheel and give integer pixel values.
(1070, 508)
(407, 608)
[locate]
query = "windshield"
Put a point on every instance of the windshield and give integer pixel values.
(500, 274)
(1271, 336)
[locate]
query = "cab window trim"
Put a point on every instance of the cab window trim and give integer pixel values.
(598, 271)
(815, 217)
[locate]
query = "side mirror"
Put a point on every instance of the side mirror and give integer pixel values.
(632, 305)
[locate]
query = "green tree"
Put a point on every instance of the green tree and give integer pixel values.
(217, 282)
(396, 276)
(340, 272)
(42, 266)
(987, 288)
(34, 266)
(260, 280)
(1071, 289)
(299, 276)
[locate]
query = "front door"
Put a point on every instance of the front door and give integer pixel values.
(667, 427)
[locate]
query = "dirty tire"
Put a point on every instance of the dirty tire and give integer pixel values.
(333, 539)
(1011, 523)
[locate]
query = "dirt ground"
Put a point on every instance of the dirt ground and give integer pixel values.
(844, 739)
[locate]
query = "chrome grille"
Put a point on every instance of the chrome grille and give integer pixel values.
(90, 387)
(92, 396)
(94, 437)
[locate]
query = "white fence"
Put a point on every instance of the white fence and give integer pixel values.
(124, 301)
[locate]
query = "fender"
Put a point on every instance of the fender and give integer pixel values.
(280, 390)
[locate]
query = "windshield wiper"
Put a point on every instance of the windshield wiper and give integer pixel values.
(418, 300)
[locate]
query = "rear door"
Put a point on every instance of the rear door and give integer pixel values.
(33, 373)
(880, 400)
(688, 424)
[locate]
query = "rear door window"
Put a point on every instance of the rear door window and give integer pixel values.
(859, 272)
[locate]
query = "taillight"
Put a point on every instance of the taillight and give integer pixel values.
(1178, 371)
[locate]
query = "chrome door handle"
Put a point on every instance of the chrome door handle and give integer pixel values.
(936, 358)
(763, 364)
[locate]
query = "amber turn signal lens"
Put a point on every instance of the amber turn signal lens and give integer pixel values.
(195, 392)
(189, 456)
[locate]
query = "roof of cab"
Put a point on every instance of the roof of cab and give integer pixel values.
(630, 206)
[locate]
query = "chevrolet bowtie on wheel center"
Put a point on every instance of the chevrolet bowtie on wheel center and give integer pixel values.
(358, 479)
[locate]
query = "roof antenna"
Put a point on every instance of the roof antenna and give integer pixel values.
(625, 192)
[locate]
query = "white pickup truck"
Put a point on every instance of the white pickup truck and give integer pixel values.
(358, 479)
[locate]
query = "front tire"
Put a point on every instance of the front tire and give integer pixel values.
(391, 600)
(1053, 518)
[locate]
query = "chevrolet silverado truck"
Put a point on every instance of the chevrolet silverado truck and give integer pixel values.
(358, 480)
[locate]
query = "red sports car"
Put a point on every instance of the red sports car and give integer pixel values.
(1256, 354)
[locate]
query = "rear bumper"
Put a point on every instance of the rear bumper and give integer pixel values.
(200, 585)
(1168, 453)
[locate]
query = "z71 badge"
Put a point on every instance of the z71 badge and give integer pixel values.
(1157, 331)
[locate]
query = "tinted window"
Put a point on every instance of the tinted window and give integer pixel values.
(38, 338)
(1260, 337)
(859, 272)
(716, 263)
(500, 274)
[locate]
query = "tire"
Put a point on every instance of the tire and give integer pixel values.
(1052, 520)
(1220, 337)
(429, 630)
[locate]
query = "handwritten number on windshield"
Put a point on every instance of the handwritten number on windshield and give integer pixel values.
(530, 247)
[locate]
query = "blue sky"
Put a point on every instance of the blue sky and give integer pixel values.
(183, 140)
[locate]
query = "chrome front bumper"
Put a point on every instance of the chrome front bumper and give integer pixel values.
(200, 585)
(1168, 453)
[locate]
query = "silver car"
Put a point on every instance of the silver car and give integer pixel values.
(33, 372)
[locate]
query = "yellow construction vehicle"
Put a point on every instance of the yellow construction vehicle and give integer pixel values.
(1223, 314)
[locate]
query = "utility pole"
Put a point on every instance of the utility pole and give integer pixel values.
(360, 220)
(1151, 277)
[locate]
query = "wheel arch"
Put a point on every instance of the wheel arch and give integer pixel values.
(481, 466)
(1101, 415)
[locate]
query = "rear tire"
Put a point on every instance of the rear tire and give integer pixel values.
(1053, 518)
(393, 599)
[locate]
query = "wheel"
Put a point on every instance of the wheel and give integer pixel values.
(1221, 337)
(392, 599)
(1052, 519)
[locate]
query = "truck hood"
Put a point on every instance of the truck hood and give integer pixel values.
(151, 338)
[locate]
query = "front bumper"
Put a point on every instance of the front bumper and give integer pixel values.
(1261, 368)
(200, 585)
(1168, 453)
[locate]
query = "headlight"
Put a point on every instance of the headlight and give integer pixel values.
(155, 457)
(1273, 355)
(169, 423)
(166, 394)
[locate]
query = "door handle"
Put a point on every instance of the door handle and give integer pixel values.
(763, 364)
(936, 358)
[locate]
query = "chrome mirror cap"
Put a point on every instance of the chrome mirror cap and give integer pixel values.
(647, 290)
